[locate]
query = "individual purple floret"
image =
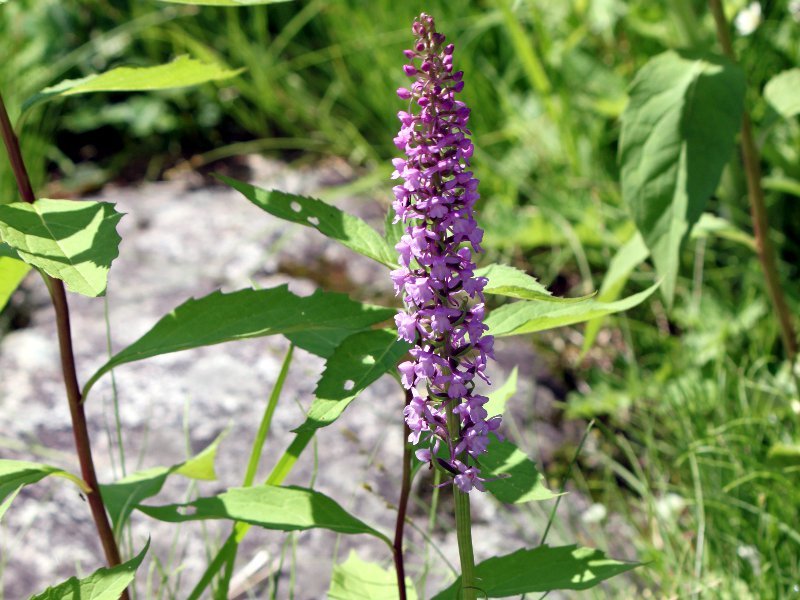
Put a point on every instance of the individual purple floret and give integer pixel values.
(444, 299)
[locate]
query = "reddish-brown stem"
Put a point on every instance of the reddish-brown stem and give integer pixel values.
(402, 506)
(758, 210)
(59, 298)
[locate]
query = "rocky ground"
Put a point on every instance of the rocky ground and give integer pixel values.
(180, 240)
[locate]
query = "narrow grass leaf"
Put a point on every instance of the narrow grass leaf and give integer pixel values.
(184, 71)
(103, 584)
(272, 507)
(357, 363)
(678, 132)
(519, 481)
(246, 314)
(356, 578)
(75, 241)
(330, 221)
(541, 569)
(782, 93)
(17, 473)
(529, 316)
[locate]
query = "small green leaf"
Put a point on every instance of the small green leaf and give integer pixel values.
(783, 93)
(226, 2)
(499, 397)
(785, 455)
(121, 497)
(357, 363)
(509, 281)
(346, 229)
(181, 72)
(7, 502)
(17, 473)
(12, 272)
(245, 314)
(541, 569)
(524, 484)
(529, 316)
(74, 241)
(392, 232)
(712, 225)
(678, 132)
(272, 507)
(358, 579)
(103, 584)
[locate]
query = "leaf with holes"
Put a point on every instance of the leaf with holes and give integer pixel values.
(678, 132)
(17, 473)
(357, 363)
(336, 224)
(356, 578)
(74, 241)
(541, 569)
(246, 314)
(103, 584)
(181, 72)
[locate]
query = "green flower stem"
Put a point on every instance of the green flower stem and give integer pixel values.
(463, 524)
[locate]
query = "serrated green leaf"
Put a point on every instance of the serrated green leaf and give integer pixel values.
(499, 397)
(272, 507)
(783, 93)
(677, 134)
(121, 497)
(357, 363)
(12, 272)
(103, 584)
(541, 569)
(184, 71)
(357, 579)
(348, 230)
(246, 314)
(225, 2)
(74, 241)
(524, 482)
(15, 474)
(528, 316)
(509, 281)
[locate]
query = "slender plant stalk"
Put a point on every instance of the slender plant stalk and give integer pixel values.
(758, 210)
(79, 427)
(402, 507)
(469, 589)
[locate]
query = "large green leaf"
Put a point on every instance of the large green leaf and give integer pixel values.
(345, 228)
(272, 507)
(103, 584)
(540, 569)
(519, 481)
(357, 579)
(181, 72)
(359, 361)
(12, 272)
(678, 132)
(121, 497)
(501, 395)
(74, 241)
(529, 316)
(245, 314)
(17, 473)
(783, 93)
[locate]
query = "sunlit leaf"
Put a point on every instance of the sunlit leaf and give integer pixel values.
(501, 395)
(509, 281)
(356, 578)
(12, 272)
(245, 314)
(678, 132)
(17, 473)
(540, 569)
(519, 481)
(783, 93)
(184, 71)
(330, 221)
(74, 241)
(103, 584)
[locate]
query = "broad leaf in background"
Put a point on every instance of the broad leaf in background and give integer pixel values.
(540, 569)
(357, 363)
(330, 221)
(525, 483)
(245, 314)
(355, 578)
(181, 72)
(678, 132)
(783, 93)
(12, 272)
(103, 584)
(17, 473)
(629, 256)
(225, 2)
(272, 507)
(528, 316)
(122, 496)
(74, 241)
(499, 397)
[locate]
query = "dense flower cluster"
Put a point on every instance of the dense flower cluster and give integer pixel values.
(444, 299)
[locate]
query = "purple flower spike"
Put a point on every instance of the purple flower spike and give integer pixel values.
(444, 300)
